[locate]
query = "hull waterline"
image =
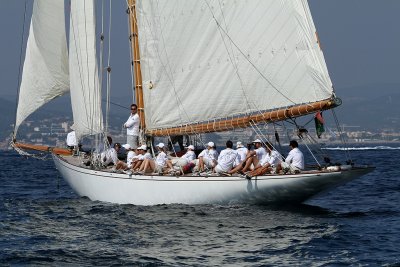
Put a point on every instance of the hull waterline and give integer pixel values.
(153, 190)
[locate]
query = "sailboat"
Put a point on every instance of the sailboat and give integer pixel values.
(199, 67)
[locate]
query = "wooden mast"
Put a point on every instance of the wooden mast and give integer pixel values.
(247, 121)
(134, 38)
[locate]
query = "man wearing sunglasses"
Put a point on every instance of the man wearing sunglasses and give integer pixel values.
(132, 128)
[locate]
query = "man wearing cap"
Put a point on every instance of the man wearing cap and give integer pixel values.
(132, 128)
(140, 157)
(268, 163)
(129, 158)
(189, 156)
(242, 151)
(227, 159)
(157, 165)
(252, 158)
(294, 161)
(208, 157)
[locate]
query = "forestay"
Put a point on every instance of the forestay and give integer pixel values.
(45, 72)
(85, 88)
(212, 59)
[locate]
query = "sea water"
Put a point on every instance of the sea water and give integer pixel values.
(42, 222)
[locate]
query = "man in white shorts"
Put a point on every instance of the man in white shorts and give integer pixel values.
(227, 159)
(208, 158)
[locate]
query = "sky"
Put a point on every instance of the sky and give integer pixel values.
(360, 39)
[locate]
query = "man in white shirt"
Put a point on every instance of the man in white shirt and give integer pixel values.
(294, 161)
(252, 158)
(189, 156)
(268, 163)
(129, 158)
(71, 140)
(141, 156)
(242, 151)
(132, 128)
(227, 159)
(111, 155)
(157, 165)
(208, 157)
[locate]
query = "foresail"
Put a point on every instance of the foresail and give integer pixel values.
(84, 79)
(208, 60)
(45, 71)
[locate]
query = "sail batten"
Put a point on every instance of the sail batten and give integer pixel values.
(45, 72)
(209, 59)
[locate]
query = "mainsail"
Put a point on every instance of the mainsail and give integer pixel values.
(84, 79)
(45, 72)
(207, 61)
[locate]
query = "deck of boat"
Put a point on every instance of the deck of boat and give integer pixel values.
(80, 162)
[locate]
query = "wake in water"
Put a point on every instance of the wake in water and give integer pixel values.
(362, 148)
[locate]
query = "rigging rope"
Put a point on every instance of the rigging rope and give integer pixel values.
(346, 149)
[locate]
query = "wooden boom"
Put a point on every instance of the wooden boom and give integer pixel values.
(56, 150)
(244, 122)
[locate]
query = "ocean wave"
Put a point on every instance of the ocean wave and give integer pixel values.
(363, 148)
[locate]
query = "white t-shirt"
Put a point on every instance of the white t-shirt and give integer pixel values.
(71, 139)
(129, 158)
(296, 158)
(227, 159)
(132, 125)
(147, 155)
(161, 158)
(260, 152)
(242, 151)
(209, 154)
(189, 156)
(273, 159)
(108, 156)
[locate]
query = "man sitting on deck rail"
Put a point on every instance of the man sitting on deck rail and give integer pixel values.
(110, 155)
(140, 157)
(294, 161)
(227, 159)
(242, 151)
(129, 158)
(184, 159)
(157, 165)
(252, 158)
(267, 164)
(207, 158)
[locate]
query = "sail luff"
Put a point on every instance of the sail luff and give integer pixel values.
(136, 61)
(247, 121)
(45, 73)
(84, 77)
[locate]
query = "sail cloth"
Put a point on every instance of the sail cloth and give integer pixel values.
(208, 60)
(84, 79)
(45, 71)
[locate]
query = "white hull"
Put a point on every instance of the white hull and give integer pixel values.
(152, 190)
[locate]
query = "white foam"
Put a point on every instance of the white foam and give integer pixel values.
(363, 148)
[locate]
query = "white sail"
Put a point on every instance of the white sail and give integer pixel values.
(84, 79)
(208, 60)
(45, 71)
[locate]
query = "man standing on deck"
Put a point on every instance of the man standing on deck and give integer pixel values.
(132, 128)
